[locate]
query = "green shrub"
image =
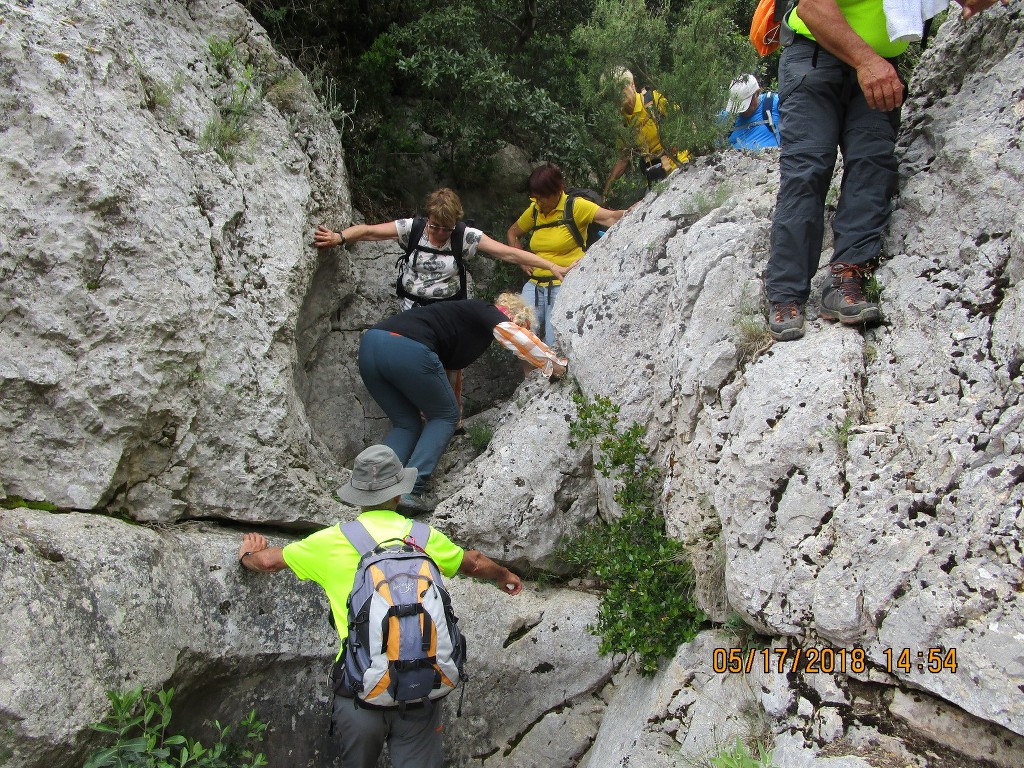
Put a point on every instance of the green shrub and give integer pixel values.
(138, 724)
(647, 608)
(480, 435)
(740, 756)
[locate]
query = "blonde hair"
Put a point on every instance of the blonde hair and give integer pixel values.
(518, 311)
(445, 206)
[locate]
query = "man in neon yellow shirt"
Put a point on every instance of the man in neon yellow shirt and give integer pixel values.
(838, 86)
(642, 111)
(327, 557)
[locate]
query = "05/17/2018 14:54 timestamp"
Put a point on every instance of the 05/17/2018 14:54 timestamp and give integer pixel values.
(830, 660)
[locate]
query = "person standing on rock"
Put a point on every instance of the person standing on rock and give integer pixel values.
(838, 86)
(412, 733)
(642, 112)
(437, 246)
(402, 361)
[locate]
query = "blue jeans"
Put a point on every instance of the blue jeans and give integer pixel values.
(542, 299)
(823, 109)
(407, 379)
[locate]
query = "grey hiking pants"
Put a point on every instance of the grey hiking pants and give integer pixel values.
(413, 737)
(822, 109)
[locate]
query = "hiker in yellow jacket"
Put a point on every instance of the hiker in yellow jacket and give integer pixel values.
(642, 111)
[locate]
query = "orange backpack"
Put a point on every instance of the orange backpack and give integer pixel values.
(766, 26)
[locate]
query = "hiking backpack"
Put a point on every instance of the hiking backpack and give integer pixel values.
(766, 27)
(767, 118)
(413, 249)
(404, 645)
(594, 230)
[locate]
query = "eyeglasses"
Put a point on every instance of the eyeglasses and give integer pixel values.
(439, 228)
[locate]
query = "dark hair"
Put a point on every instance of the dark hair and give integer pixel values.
(546, 180)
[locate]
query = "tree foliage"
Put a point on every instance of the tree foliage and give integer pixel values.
(441, 87)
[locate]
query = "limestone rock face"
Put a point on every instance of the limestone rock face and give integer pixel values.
(99, 605)
(151, 283)
(857, 488)
(173, 352)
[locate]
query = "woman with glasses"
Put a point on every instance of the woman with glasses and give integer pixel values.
(431, 271)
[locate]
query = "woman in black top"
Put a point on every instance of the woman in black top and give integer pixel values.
(402, 361)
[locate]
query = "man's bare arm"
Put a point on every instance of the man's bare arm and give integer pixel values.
(256, 554)
(878, 79)
(480, 566)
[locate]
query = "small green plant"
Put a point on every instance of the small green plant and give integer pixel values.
(648, 608)
(480, 435)
(753, 337)
(287, 93)
(157, 94)
(224, 54)
(230, 126)
(841, 433)
(873, 289)
(706, 205)
(740, 756)
(327, 90)
(138, 724)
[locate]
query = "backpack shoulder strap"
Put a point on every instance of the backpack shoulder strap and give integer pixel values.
(420, 534)
(458, 242)
(358, 537)
(766, 111)
(651, 106)
(419, 224)
(570, 222)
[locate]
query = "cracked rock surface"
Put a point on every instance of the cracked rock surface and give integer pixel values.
(174, 353)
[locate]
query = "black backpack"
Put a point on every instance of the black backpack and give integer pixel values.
(412, 250)
(594, 230)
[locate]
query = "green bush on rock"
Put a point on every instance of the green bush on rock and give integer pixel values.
(648, 608)
(138, 724)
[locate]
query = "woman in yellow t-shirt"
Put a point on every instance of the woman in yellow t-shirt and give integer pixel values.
(551, 238)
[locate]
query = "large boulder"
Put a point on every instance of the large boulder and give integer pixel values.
(155, 251)
(92, 604)
(173, 349)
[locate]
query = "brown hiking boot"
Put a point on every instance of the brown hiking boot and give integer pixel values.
(845, 300)
(786, 321)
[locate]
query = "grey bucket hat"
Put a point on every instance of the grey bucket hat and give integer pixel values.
(377, 475)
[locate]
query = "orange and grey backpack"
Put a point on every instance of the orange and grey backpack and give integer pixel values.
(404, 646)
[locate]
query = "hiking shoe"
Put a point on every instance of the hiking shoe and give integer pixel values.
(786, 321)
(414, 504)
(844, 300)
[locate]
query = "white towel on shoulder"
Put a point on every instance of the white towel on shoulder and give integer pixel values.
(904, 19)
